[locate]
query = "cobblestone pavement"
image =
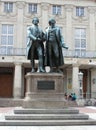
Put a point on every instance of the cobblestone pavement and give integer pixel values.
(90, 110)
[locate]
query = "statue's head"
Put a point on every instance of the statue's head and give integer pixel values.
(52, 21)
(35, 20)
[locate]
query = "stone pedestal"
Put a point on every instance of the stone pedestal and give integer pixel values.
(44, 90)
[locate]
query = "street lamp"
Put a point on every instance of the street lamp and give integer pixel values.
(80, 76)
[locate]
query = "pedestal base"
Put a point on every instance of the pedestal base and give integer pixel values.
(44, 90)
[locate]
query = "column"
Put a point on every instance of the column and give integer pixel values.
(17, 90)
(45, 13)
(75, 80)
(69, 9)
(92, 33)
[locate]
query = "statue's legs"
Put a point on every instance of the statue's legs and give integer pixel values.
(56, 55)
(41, 60)
(54, 50)
(50, 57)
(32, 59)
(32, 65)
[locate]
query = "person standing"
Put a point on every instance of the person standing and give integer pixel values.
(35, 47)
(54, 44)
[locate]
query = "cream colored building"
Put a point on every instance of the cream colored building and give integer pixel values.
(77, 19)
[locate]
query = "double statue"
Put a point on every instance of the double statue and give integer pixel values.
(50, 55)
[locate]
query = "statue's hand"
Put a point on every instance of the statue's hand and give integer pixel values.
(64, 46)
(38, 39)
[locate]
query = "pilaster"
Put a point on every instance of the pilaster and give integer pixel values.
(45, 8)
(69, 9)
(92, 33)
(20, 33)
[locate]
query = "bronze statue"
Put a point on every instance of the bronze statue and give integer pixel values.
(35, 47)
(54, 44)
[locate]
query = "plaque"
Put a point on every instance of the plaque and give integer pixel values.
(45, 85)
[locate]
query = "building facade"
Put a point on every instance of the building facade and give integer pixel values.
(77, 20)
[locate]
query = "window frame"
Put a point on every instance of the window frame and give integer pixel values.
(6, 47)
(80, 11)
(8, 7)
(81, 48)
(56, 9)
(32, 8)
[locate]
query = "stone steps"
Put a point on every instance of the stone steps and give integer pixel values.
(46, 117)
(46, 122)
(46, 111)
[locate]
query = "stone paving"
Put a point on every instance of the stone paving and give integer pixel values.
(90, 110)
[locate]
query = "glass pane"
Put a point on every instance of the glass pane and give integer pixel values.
(83, 53)
(10, 40)
(83, 43)
(4, 29)
(59, 9)
(4, 40)
(77, 11)
(35, 8)
(30, 8)
(54, 10)
(3, 50)
(77, 52)
(77, 33)
(82, 11)
(5, 6)
(10, 7)
(77, 43)
(9, 50)
(83, 33)
(10, 29)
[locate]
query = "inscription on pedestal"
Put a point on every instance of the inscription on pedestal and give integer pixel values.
(45, 85)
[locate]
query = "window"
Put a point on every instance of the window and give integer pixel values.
(56, 9)
(32, 8)
(6, 39)
(8, 7)
(79, 11)
(80, 41)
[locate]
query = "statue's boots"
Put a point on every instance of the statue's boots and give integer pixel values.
(33, 70)
(40, 69)
(51, 70)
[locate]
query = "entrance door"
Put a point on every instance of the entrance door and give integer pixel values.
(6, 83)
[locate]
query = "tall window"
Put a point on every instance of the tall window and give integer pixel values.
(8, 7)
(80, 41)
(7, 39)
(79, 11)
(56, 9)
(32, 8)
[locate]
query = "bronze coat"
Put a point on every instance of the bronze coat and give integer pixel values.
(30, 41)
(60, 41)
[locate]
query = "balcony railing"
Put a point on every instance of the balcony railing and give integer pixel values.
(79, 54)
(66, 53)
(13, 52)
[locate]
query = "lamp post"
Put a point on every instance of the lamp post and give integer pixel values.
(80, 76)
